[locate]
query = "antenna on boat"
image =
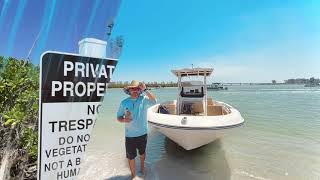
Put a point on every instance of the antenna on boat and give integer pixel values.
(192, 66)
(109, 28)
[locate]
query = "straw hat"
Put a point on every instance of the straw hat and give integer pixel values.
(133, 84)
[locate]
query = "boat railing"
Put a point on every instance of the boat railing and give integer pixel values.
(226, 107)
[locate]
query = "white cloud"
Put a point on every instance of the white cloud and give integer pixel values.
(262, 66)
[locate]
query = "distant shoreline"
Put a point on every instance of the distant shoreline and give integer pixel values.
(298, 81)
(224, 84)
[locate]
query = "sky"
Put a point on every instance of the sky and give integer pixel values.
(243, 40)
(52, 25)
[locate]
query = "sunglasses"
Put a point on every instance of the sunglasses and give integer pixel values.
(135, 89)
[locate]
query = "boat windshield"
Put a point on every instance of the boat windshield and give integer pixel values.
(191, 83)
(192, 92)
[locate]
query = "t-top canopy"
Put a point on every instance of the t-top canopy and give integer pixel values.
(193, 72)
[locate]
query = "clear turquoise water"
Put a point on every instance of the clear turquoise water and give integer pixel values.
(280, 139)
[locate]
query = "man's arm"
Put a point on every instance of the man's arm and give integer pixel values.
(150, 95)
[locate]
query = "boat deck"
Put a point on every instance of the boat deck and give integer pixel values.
(197, 108)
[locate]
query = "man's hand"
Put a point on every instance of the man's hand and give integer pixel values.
(142, 86)
(127, 117)
(126, 120)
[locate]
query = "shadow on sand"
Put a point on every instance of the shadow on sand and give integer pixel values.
(207, 162)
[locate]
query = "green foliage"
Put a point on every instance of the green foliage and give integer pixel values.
(19, 84)
(30, 142)
(1, 62)
(1, 65)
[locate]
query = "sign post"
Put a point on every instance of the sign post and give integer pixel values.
(72, 88)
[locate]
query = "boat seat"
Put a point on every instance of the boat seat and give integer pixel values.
(215, 110)
(171, 108)
(197, 107)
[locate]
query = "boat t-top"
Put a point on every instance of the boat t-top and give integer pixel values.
(193, 119)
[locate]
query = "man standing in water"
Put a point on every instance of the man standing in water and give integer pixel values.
(133, 112)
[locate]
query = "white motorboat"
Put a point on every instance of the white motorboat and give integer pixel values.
(193, 119)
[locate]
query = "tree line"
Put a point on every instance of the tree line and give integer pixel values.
(312, 80)
(122, 84)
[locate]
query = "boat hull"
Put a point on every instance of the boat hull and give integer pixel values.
(191, 138)
(191, 132)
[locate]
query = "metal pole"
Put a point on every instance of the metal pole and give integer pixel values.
(206, 96)
(179, 90)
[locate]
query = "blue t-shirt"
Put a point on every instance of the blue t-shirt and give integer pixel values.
(138, 126)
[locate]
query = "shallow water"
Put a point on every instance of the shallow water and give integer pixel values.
(280, 139)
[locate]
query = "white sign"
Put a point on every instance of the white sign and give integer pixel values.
(72, 89)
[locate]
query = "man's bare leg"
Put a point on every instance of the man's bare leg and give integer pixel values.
(142, 158)
(132, 165)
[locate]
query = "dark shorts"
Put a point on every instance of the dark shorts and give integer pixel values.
(134, 143)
